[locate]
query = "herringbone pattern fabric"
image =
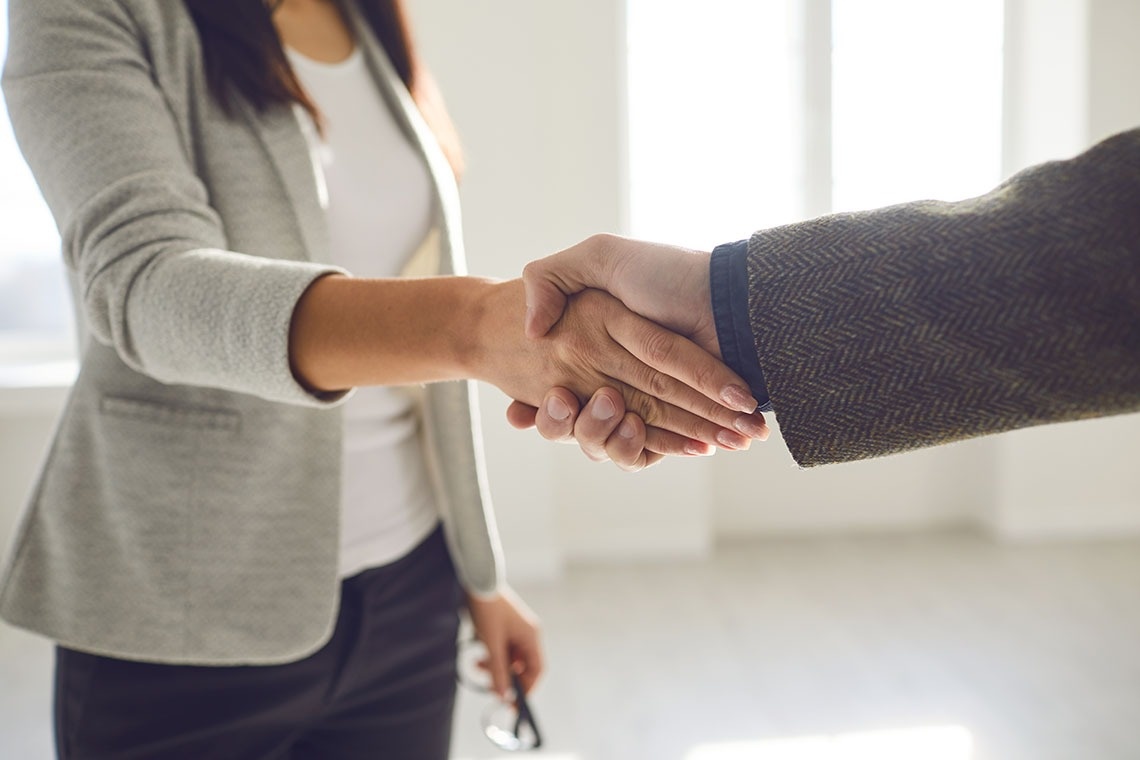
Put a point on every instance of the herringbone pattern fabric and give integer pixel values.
(925, 323)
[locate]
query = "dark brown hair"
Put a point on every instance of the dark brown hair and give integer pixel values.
(244, 58)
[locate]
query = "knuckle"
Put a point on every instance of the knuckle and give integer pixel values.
(704, 375)
(600, 241)
(645, 406)
(658, 384)
(714, 412)
(658, 345)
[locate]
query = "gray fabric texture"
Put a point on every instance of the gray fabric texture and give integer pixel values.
(188, 507)
(920, 324)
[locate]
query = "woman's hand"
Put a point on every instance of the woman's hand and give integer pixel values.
(661, 377)
(510, 632)
(348, 332)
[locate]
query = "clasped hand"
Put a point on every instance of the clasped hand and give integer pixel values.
(680, 400)
(669, 389)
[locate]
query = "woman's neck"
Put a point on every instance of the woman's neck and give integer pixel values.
(316, 29)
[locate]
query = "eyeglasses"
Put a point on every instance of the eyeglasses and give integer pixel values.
(509, 726)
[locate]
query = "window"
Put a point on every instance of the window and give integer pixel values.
(35, 315)
(746, 114)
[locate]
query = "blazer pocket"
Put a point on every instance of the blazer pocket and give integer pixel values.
(193, 417)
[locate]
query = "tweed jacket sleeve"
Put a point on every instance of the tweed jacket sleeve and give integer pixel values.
(883, 331)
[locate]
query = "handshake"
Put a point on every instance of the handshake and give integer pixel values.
(878, 332)
(637, 319)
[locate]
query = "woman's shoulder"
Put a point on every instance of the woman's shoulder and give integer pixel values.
(64, 18)
(50, 35)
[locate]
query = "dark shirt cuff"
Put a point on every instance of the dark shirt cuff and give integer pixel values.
(728, 276)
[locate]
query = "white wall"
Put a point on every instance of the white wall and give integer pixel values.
(763, 493)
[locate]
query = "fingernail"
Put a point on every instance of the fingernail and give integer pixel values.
(625, 430)
(604, 409)
(698, 449)
(732, 440)
(557, 409)
(751, 428)
(739, 399)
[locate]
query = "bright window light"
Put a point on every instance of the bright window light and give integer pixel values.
(35, 316)
(733, 129)
(916, 100)
(713, 121)
(28, 229)
(928, 743)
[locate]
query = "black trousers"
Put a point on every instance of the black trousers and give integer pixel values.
(383, 686)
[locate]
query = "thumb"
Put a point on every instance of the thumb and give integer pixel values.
(545, 301)
(549, 281)
(521, 416)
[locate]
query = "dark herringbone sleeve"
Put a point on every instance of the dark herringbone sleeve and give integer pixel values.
(929, 322)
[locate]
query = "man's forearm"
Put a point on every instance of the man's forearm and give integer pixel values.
(911, 326)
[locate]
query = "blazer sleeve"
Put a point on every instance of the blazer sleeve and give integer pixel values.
(148, 251)
(920, 324)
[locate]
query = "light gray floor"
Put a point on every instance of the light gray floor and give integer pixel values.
(1027, 653)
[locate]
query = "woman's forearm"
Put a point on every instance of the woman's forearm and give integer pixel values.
(348, 331)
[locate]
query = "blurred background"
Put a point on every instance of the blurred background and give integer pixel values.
(978, 601)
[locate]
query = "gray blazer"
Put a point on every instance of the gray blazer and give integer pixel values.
(187, 511)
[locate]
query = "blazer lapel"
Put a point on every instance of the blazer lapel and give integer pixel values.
(281, 134)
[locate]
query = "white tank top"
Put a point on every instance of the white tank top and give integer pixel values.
(379, 211)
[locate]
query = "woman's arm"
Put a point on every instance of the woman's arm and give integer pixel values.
(156, 275)
(158, 279)
(348, 332)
